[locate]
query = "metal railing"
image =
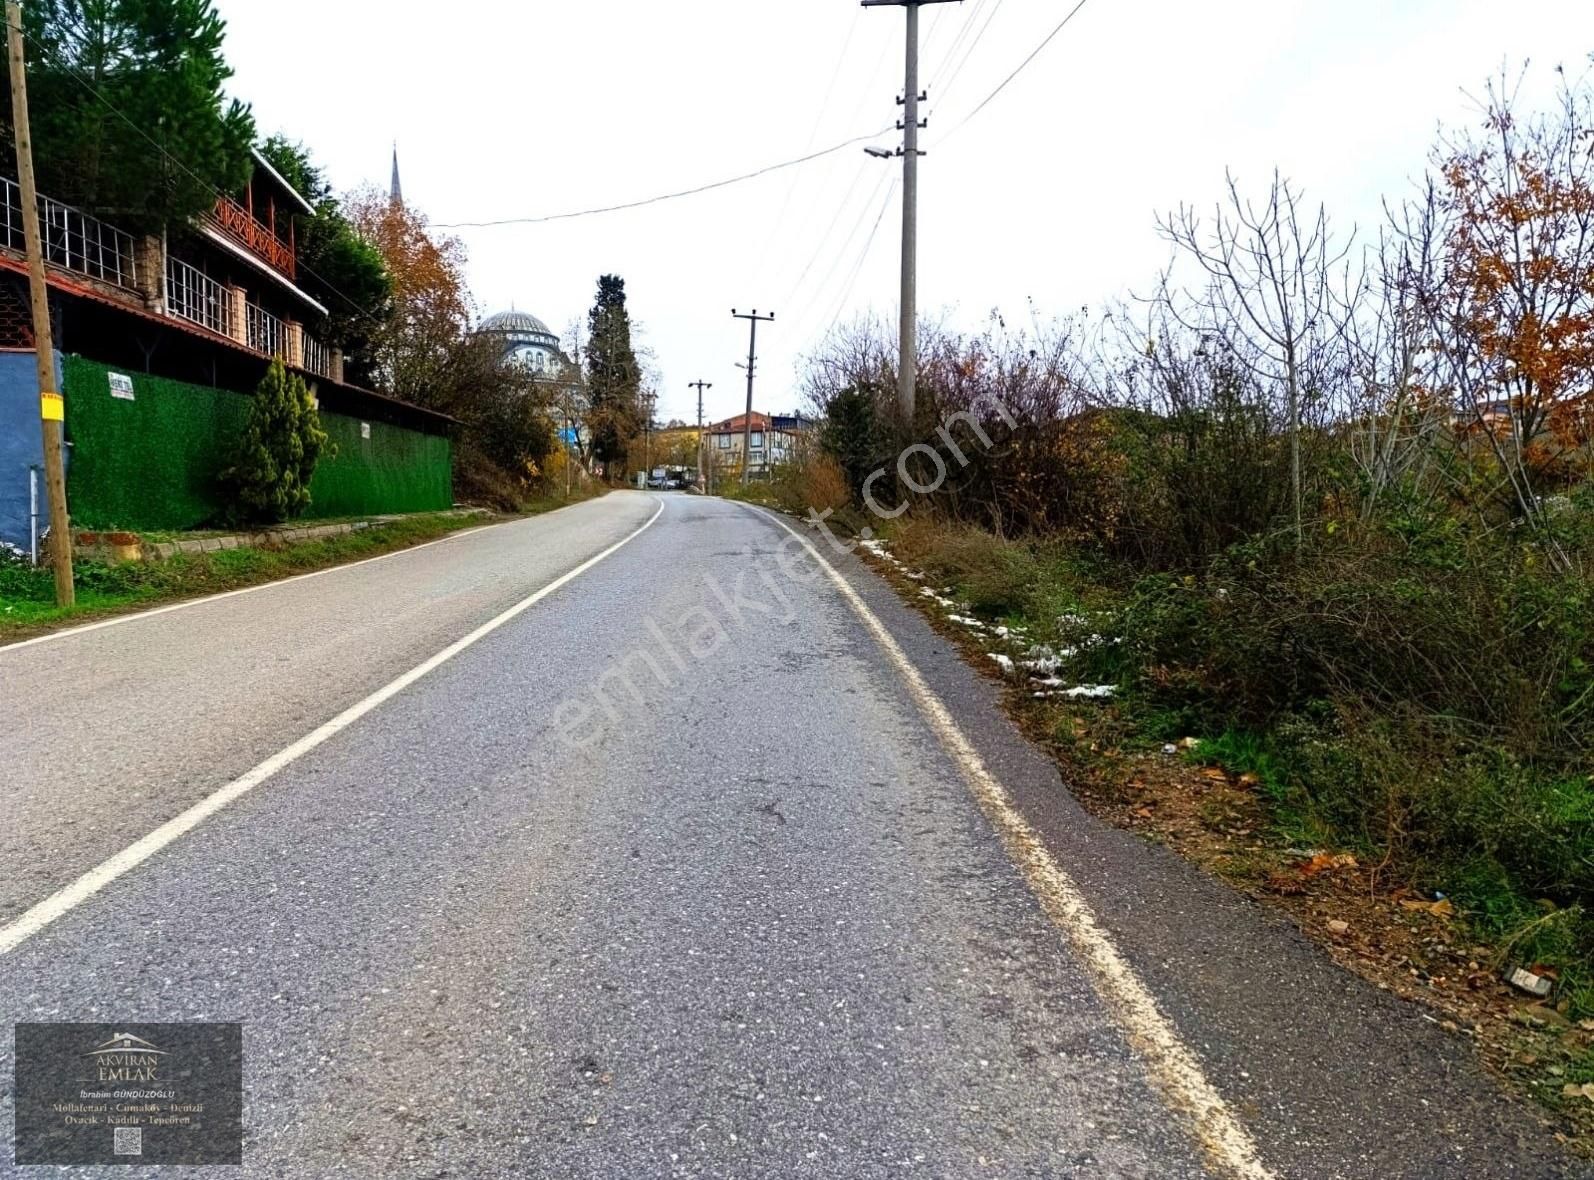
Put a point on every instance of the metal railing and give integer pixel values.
(265, 332)
(71, 240)
(196, 297)
(317, 357)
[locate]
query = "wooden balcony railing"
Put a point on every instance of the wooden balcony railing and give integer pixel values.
(240, 225)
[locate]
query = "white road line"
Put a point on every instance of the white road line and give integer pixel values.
(65, 900)
(186, 603)
(1173, 1068)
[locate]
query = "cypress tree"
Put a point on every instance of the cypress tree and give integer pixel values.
(614, 379)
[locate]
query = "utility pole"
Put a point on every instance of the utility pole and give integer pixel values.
(565, 437)
(647, 440)
(52, 409)
(910, 125)
(753, 321)
(700, 385)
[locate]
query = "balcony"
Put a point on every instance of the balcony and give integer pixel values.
(240, 225)
(196, 297)
(317, 357)
(265, 332)
(72, 240)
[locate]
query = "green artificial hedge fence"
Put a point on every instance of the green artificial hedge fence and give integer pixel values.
(395, 470)
(151, 461)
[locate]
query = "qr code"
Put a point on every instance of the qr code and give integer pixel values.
(128, 1141)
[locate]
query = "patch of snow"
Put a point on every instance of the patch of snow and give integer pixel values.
(1044, 659)
(1005, 663)
(1093, 692)
(966, 621)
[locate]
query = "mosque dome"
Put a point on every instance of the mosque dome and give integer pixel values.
(516, 323)
(526, 340)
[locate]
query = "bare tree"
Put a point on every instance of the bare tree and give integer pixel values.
(1395, 423)
(1269, 294)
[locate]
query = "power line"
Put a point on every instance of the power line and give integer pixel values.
(819, 120)
(689, 192)
(862, 258)
(367, 313)
(1022, 66)
(813, 256)
(970, 19)
(841, 253)
(968, 52)
(935, 27)
(812, 207)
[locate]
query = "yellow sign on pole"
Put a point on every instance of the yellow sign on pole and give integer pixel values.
(52, 407)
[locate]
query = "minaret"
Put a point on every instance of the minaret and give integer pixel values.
(396, 193)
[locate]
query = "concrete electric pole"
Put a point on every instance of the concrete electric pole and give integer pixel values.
(753, 321)
(700, 385)
(52, 409)
(647, 439)
(910, 126)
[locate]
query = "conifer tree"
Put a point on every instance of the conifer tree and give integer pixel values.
(269, 480)
(614, 378)
(131, 119)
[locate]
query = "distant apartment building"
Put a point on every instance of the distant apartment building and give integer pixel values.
(773, 440)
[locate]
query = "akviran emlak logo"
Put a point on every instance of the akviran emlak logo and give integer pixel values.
(126, 1058)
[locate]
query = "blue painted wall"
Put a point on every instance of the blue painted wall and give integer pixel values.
(21, 444)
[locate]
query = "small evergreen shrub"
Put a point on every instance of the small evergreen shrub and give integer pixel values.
(269, 478)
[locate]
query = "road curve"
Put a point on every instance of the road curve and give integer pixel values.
(666, 876)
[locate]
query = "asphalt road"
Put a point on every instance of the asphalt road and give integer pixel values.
(670, 874)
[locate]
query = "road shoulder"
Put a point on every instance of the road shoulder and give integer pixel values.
(1322, 1065)
(118, 592)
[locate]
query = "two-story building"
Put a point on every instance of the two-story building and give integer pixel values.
(159, 336)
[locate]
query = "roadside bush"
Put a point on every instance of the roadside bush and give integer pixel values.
(21, 580)
(851, 434)
(996, 577)
(1469, 631)
(816, 481)
(480, 481)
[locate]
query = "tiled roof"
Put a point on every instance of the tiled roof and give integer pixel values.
(737, 424)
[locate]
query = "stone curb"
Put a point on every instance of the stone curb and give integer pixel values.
(115, 548)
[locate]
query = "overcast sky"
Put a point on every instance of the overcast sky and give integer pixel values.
(503, 108)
